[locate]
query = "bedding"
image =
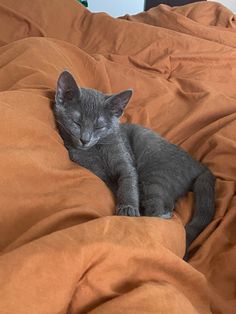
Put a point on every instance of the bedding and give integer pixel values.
(62, 249)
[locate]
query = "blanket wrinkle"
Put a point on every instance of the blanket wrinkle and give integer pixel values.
(190, 20)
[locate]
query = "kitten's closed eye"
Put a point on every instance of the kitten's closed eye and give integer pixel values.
(100, 127)
(76, 122)
(76, 117)
(100, 124)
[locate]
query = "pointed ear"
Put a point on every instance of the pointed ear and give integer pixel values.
(67, 89)
(116, 103)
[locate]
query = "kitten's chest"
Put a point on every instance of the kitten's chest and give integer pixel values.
(91, 160)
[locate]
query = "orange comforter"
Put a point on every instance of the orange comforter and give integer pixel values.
(62, 251)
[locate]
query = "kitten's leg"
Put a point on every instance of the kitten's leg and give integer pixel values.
(123, 172)
(127, 194)
(156, 199)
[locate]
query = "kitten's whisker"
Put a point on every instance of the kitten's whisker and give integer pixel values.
(105, 142)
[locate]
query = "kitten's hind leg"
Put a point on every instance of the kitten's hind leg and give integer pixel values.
(155, 201)
(156, 207)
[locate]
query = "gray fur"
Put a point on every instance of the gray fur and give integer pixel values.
(146, 173)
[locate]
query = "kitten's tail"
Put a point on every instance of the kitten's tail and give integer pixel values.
(204, 193)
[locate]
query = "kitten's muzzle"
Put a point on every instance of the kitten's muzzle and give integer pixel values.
(85, 139)
(84, 145)
(84, 142)
(87, 145)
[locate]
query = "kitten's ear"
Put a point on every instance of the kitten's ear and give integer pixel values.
(117, 102)
(67, 89)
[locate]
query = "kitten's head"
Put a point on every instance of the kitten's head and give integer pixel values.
(86, 116)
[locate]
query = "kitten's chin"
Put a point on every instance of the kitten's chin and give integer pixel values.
(85, 147)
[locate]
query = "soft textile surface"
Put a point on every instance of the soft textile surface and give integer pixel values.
(62, 251)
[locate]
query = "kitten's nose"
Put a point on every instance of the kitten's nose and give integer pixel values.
(85, 138)
(84, 141)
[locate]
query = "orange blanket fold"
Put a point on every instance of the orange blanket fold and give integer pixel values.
(62, 250)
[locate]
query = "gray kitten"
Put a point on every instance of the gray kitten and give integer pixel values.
(146, 173)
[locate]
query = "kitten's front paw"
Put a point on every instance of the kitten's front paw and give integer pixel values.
(127, 210)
